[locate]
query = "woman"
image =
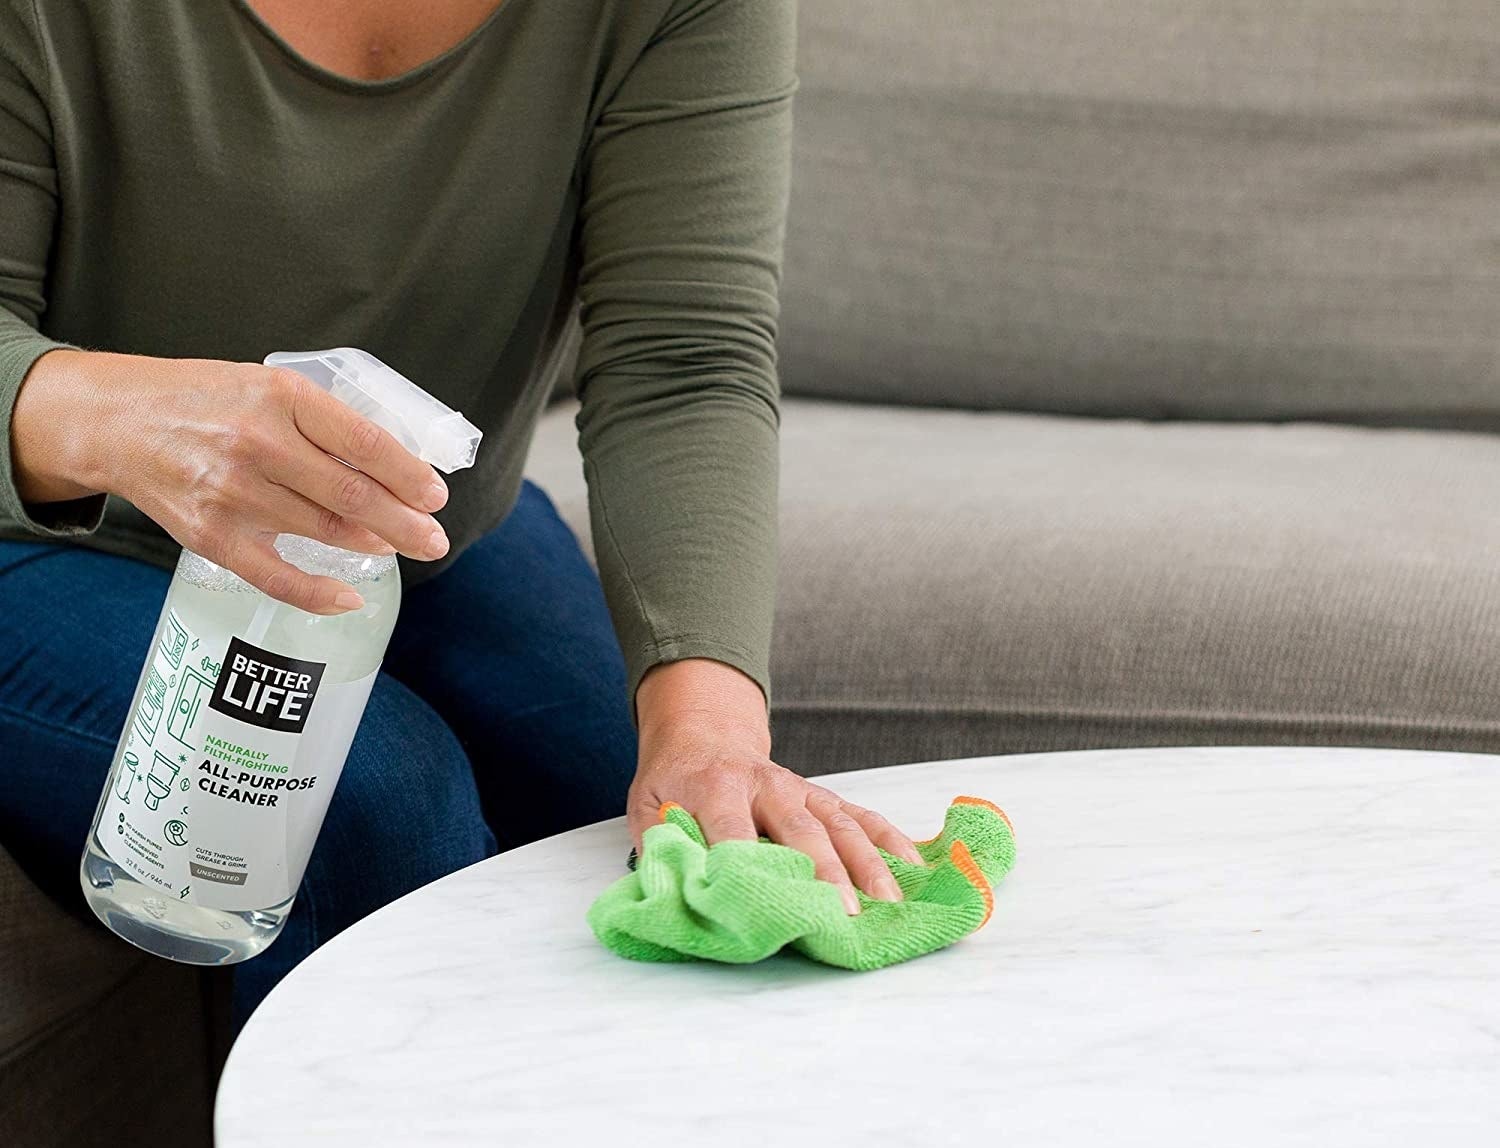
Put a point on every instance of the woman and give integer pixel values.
(188, 185)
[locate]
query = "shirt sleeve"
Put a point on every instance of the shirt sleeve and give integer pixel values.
(28, 212)
(683, 215)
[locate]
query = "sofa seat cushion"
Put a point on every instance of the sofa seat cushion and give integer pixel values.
(73, 1001)
(958, 583)
(51, 963)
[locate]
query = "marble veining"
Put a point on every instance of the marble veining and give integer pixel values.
(1197, 947)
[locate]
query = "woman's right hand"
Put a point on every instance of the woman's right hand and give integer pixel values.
(226, 456)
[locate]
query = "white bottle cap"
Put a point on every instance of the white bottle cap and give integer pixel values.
(430, 429)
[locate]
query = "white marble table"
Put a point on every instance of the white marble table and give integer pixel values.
(1219, 947)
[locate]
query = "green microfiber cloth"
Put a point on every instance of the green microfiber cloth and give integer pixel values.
(741, 901)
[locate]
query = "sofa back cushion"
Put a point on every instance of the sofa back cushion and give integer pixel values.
(1163, 208)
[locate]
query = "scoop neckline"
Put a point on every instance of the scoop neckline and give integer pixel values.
(330, 78)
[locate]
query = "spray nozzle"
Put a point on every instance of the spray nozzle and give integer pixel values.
(430, 429)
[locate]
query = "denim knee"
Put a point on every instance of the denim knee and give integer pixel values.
(405, 812)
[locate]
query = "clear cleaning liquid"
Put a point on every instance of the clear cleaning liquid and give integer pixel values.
(206, 606)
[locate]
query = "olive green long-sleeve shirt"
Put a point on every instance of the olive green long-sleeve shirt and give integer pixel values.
(175, 180)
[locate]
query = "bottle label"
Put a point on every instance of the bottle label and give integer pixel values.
(226, 768)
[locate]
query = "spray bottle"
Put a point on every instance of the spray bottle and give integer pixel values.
(244, 714)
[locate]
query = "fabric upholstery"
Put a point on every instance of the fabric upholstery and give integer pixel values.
(957, 583)
(73, 1001)
(1235, 209)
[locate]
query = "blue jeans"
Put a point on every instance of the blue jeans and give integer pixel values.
(503, 680)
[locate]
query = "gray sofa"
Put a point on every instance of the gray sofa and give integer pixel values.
(1142, 367)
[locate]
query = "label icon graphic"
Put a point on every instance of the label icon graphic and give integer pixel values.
(126, 778)
(191, 693)
(159, 780)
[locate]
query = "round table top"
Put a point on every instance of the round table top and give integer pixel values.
(1226, 946)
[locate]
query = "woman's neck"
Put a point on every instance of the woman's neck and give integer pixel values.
(372, 39)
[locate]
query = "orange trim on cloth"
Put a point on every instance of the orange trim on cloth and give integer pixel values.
(988, 805)
(964, 861)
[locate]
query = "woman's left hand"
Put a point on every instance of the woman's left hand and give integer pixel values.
(705, 744)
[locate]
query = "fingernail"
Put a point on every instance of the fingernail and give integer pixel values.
(886, 888)
(851, 902)
(348, 600)
(437, 544)
(434, 496)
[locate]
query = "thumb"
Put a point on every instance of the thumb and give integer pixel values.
(642, 811)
